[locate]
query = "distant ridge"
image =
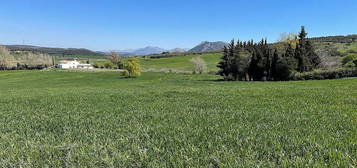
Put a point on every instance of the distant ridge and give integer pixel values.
(178, 50)
(209, 46)
(58, 51)
(141, 51)
(148, 51)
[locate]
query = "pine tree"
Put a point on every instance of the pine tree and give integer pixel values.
(240, 61)
(289, 57)
(306, 57)
(235, 60)
(224, 64)
(267, 60)
(253, 66)
(312, 56)
(231, 64)
(300, 52)
(274, 62)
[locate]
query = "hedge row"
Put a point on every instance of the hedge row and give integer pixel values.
(328, 74)
(25, 67)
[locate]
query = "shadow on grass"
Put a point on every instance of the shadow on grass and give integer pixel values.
(127, 77)
(214, 80)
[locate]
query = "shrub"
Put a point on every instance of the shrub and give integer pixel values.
(350, 64)
(200, 65)
(283, 71)
(124, 73)
(116, 60)
(109, 65)
(133, 67)
(96, 65)
(350, 60)
(328, 74)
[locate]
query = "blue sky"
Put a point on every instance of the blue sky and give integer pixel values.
(123, 24)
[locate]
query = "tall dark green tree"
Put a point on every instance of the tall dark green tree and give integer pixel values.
(313, 57)
(289, 57)
(224, 64)
(300, 51)
(274, 63)
(307, 59)
(280, 68)
(259, 61)
(240, 61)
(253, 65)
(232, 64)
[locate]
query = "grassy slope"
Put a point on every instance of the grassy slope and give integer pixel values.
(180, 63)
(348, 49)
(170, 120)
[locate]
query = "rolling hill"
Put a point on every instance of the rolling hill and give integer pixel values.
(54, 51)
(181, 63)
(208, 46)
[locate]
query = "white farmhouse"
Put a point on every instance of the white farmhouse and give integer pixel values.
(68, 64)
(74, 64)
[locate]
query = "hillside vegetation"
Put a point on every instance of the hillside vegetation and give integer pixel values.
(330, 49)
(74, 119)
(180, 62)
(58, 52)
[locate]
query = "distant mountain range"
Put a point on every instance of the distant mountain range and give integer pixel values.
(209, 46)
(141, 51)
(148, 51)
(202, 47)
(319, 43)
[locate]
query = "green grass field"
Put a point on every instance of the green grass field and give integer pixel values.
(96, 119)
(181, 62)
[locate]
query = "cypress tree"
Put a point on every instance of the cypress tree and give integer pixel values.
(231, 54)
(267, 60)
(274, 62)
(236, 60)
(300, 52)
(240, 62)
(252, 69)
(289, 57)
(313, 58)
(260, 68)
(306, 57)
(223, 65)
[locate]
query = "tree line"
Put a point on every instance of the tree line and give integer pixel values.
(56, 51)
(27, 61)
(259, 61)
(335, 39)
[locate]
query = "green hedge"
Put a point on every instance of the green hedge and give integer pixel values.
(328, 74)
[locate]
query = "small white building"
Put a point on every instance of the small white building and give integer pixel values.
(74, 64)
(85, 66)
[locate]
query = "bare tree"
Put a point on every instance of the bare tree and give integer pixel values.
(34, 60)
(6, 59)
(287, 37)
(200, 65)
(116, 59)
(327, 61)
